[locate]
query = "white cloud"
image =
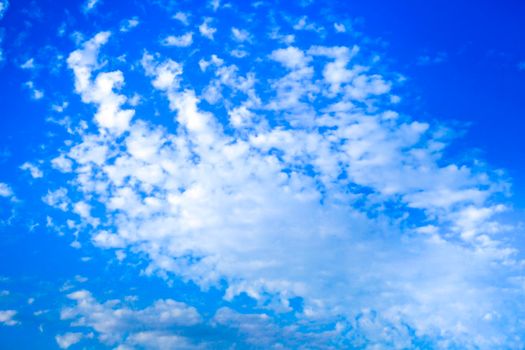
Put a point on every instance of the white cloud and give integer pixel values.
(260, 331)
(167, 74)
(129, 24)
(215, 4)
(35, 93)
(214, 60)
(35, 172)
(339, 201)
(339, 28)
(290, 57)
(182, 17)
(303, 24)
(158, 340)
(67, 340)
(83, 209)
(89, 5)
(7, 318)
(184, 40)
(59, 108)
(294, 88)
(239, 53)
(62, 163)
(29, 64)
(336, 73)
(206, 30)
(5, 190)
(240, 35)
(286, 39)
(105, 239)
(117, 324)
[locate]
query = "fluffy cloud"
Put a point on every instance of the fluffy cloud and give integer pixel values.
(89, 5)
(206, 30)
(182, 17)
(33, 170)
(67, 340)
(169, 324)
(7, 318)
(99, 90)
(339, 27)
(184, 40)
(120, 325)
(5, 190)
(240, 35)
(129, 24)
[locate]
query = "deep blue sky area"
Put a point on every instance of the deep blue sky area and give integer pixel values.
(293, 174)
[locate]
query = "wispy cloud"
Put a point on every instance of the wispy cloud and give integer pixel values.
(4, 5)
(438, 58)
(206, 30)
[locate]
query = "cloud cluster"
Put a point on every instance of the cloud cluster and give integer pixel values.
(118, 325)
(315, 190)
(168, 324)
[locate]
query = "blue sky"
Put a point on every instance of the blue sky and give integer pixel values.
(261, 175)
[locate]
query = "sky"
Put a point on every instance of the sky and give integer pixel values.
(262, 174)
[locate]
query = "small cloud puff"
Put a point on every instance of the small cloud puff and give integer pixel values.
(215, 4)
(69, 339)
(7, 318)
(184, 40)
(182, 17)
(339, 27)
(5, 190)
(207, 31)
(129, 24)
(303, 24)
(240, 35)
(29, 64)
(36, 94)
(35, 172)
(117, 324)
(291, 57)
(89, 5)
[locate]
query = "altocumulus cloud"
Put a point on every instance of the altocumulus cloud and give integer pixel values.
(291, 178)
